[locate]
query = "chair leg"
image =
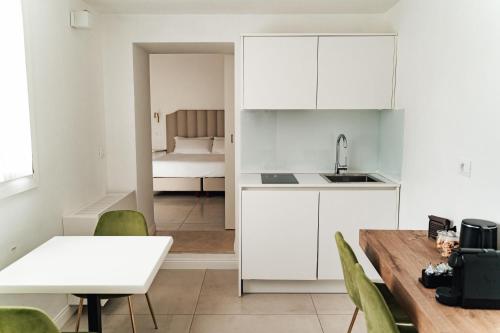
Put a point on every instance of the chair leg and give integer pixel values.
(353, 320)
(151, 310)
(79, 315)
(131, 313)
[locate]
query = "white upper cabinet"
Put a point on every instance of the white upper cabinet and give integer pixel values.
(280, 72)
(356, 72)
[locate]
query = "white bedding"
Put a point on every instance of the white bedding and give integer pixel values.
(188, 165)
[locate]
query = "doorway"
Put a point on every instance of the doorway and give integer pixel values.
(191, 87)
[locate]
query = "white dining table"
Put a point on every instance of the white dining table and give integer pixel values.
(94, 266)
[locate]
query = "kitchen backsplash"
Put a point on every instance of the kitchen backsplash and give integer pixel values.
(391, 143)
(305, 140)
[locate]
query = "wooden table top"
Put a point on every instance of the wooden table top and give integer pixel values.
(399, 257)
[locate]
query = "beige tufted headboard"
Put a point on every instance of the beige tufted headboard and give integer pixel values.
(194, 123)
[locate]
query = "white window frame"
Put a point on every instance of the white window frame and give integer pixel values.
(19, 185)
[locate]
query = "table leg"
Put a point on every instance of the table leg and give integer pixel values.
(94, 313)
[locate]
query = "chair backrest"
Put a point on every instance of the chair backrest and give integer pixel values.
(378, 317)
(121, 223)
(25, 320)
(348, 260)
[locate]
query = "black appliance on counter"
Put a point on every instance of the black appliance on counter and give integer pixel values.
(278, 178)
(478, 234)
(476, 280)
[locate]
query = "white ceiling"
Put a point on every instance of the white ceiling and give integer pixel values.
(241, 6)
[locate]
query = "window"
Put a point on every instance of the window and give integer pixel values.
(16, 157)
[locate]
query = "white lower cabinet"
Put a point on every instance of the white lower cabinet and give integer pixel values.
(347, 211)
(290, 234)
(279, 231)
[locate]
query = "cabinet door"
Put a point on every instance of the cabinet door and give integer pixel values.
(279, 72)
(356, 72)
(279, 235)
(348, 211)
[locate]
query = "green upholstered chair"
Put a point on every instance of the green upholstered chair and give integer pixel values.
(377, 314)
(348, 260)
(120, 223)
(25, 320)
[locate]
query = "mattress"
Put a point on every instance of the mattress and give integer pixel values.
(188, 165)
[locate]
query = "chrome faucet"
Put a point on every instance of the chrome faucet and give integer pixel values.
(339, 168)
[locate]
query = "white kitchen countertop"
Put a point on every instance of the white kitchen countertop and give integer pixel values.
(312, 180)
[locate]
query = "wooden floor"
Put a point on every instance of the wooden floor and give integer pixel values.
(195, 223)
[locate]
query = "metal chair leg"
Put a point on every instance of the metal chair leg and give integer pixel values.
(353, 320)
(151, 310)
(79, 315)
(131, 313)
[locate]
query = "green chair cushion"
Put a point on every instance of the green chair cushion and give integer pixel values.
(25, 320)
(377, 314)
(122, 223)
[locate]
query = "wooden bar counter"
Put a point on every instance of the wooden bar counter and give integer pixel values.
(399, 257)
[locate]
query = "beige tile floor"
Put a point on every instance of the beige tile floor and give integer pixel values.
(206, 301)
(196, 223)
(186, 212)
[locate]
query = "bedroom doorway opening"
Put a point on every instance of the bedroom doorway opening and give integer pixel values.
(192, 131)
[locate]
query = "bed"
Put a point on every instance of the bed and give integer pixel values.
(190, 172)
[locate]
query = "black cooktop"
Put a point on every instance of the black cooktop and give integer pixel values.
(278, 178)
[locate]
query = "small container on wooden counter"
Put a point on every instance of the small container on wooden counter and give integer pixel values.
(437, 276)
(446, 242)
(434, 281)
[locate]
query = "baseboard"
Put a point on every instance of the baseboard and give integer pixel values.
(200, 261)
(281, 286)
(64, 315)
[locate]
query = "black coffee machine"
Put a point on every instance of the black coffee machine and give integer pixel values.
(476, 268)
(476, 280)
(478, 234)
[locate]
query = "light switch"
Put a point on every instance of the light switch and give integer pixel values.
(465, 168)
(102, 154)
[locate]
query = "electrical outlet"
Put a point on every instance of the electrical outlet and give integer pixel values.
(465, 168)
(101, 152)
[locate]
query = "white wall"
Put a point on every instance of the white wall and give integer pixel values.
(391, 143)
(121, 31)
(65, 74)
(143, 135)
(448, 82)
(184, 82)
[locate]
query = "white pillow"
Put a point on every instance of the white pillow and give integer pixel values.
(192, 145)
(218, 147)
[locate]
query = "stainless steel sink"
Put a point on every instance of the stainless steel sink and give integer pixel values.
(350, 178)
